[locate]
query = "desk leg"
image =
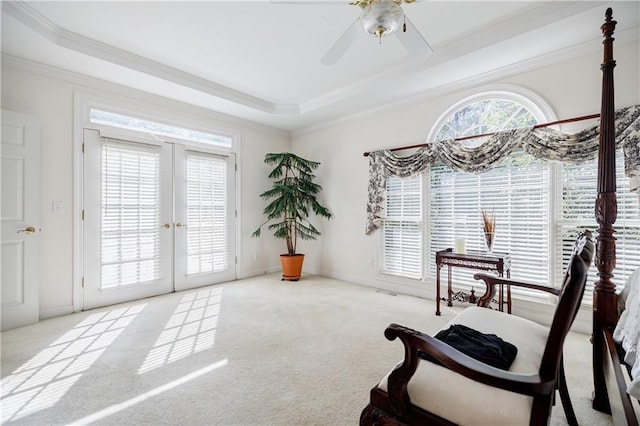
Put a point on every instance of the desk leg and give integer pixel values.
(438, 267)
(509, 293)
(501, 296)
(449, 290)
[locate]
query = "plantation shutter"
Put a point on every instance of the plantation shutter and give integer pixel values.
(130, 219)
(207, 217)
(517, 192)
(578, 205)
(402, 235)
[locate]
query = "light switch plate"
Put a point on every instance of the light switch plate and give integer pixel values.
(57, 207)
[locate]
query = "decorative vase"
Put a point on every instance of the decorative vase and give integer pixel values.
(489, 238)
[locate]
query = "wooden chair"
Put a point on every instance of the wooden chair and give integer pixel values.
(467, 391)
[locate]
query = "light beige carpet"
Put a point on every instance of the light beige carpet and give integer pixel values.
(253, 352)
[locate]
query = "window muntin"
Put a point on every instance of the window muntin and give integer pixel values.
(112, 119)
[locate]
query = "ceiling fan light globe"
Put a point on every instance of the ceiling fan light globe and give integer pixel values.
(381, 18)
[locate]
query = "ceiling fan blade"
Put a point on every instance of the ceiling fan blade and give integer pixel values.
(413, 41)
(342, 44)
(308, 2)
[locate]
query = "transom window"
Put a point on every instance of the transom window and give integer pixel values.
(113, 119)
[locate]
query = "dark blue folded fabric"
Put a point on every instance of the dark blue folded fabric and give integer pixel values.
(487, 348)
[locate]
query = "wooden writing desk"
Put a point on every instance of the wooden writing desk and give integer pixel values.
(478, 260)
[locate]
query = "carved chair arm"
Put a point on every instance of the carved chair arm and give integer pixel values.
(416, 342)
(490, 282)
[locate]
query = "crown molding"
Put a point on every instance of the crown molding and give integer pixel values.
(85, 45)
(92, 83)
(625, 36)
(320, 107)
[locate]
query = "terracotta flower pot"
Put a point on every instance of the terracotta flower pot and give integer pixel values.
(291, 266)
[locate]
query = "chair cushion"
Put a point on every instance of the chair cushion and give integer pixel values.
(464, 401)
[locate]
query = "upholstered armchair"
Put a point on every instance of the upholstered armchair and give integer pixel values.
(463, 390)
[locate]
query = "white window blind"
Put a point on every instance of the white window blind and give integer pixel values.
(517, 192)
(577, 212)
(402, 235)
(207, 236)
(130, 221)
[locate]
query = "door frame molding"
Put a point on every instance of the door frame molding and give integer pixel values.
(82, 102)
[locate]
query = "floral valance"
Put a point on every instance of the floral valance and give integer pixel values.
(544, 143)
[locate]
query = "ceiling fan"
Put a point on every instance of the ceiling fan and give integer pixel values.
(380, 18)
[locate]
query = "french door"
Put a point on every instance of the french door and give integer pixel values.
(158, 217)
(204, 218)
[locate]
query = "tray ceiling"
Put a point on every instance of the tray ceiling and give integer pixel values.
(260, 60)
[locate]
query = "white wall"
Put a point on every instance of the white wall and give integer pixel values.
(572, 88)
(48, 95)
(257, 255)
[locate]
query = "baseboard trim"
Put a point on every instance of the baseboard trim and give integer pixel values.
(424, 290)
(535, 311)
(250, 274)
(56, 311)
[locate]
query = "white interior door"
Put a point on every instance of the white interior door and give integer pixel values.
(20, 219)
(204, 218)
(127, 232)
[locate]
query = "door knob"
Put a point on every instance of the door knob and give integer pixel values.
(180, 225)
(166, 226)
(28, 230)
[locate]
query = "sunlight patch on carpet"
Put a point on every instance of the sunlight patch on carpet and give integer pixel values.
(191, 329)
(140, 398)
(43, 380)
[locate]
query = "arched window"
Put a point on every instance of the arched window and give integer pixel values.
(517, 191)
(539, 205)
(455, 199)
(486, 115)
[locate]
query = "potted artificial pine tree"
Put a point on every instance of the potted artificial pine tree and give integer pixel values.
(292, 197)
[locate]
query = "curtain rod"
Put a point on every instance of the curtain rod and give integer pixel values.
(537, 126)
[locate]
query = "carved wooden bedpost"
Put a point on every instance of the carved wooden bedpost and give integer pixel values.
(604, 293)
